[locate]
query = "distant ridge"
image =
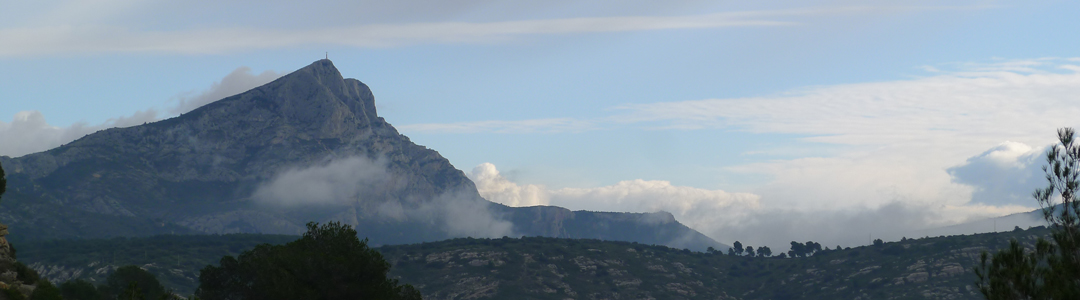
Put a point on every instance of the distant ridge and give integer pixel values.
(208, 171)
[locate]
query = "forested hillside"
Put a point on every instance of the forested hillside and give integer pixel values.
(550, 268)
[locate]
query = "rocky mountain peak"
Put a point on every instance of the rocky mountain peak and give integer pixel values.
(312, 102)
(202, 171)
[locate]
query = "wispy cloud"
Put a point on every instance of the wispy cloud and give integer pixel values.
(111, 37)
(520, 126)
(238, 81)
(29, 132)
(107, 39)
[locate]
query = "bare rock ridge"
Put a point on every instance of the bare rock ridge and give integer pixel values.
(212, 170)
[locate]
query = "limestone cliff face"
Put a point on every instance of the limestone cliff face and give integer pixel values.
(199, 171)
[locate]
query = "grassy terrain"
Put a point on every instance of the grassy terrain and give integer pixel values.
(551, 268)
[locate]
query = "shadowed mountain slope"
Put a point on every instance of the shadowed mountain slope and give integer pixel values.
(308, 146)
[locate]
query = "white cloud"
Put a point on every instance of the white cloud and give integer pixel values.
(899, 138)
(28, 132)
(333, 181)
(238, 81)
(496, 188)
(963, 110)
(1005, 174)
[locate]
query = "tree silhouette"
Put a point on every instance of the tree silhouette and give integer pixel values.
(812, 247)
(131, 282)
(750, 251)
(328, 262)
(80, 289)
(738, 248)
(3, 181)
(764, 251)
(797, 250)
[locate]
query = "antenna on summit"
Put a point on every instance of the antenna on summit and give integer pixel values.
(327, 55)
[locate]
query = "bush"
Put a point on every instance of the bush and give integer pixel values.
(46, 291)
(26, 274)
(132, 280)
(328, 262)
(79, 290)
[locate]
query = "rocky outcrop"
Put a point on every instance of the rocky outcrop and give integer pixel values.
(9, 274)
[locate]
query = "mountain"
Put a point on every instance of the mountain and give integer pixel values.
(308, 146)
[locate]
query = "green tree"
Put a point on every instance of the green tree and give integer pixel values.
(738, 248)
(131, 282)
(764, 251)
(750, 251)
(3, 181)
(878, 243)
(328, 262)
(811, 247)
(45, 291)
(797, 250)
(80, 290)
(1052, 269)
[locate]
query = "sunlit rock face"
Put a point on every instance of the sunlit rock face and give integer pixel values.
(308, 146)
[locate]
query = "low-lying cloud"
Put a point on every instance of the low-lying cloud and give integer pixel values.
(369, 186)
(333, 181)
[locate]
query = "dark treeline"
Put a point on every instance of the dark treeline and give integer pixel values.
(327, 262)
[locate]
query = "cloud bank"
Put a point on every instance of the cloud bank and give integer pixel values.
(919, 143)
(747, 217)
(367, 186)
(694, 207)
(1004, 175)
(333, 181)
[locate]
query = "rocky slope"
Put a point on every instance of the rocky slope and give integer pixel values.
(308, 146)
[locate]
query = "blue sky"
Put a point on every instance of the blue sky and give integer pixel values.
(837, 114)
